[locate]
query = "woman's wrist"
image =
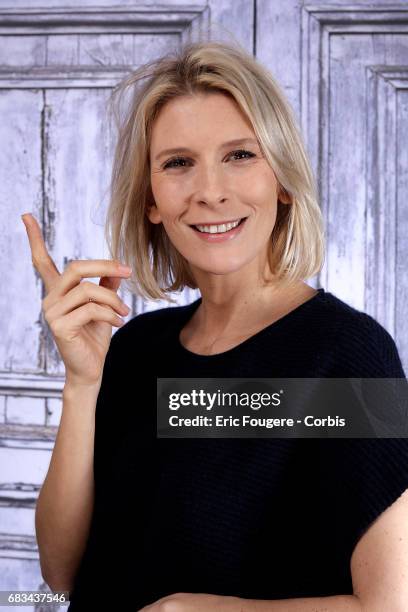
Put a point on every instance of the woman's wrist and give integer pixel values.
(73, 390)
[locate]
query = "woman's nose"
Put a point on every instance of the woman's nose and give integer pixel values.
(210, 185)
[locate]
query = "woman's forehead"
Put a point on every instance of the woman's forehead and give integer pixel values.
(190, 117)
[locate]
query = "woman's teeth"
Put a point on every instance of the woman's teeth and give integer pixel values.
(217, 229)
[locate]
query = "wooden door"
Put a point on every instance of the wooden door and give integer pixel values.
(344, 69)
(58, 64)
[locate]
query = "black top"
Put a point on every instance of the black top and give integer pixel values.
(255, 518)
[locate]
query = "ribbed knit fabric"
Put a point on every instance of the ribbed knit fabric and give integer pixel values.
(256, 518)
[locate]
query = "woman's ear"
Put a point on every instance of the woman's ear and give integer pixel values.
(284, 196)
(153, 213)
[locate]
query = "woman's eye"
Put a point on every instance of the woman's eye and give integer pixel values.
(176, 160)
(170, 163)
(242, 152)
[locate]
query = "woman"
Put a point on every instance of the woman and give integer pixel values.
(213, 524)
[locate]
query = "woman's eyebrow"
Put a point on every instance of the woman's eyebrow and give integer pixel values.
(230, 143)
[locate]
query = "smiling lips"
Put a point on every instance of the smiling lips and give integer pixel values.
(219, 233)
(217, 228)
(206, 223)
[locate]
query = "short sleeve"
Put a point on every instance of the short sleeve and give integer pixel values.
(364, 476)
(374, 349)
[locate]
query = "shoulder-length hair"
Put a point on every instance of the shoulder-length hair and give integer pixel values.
(297, 240)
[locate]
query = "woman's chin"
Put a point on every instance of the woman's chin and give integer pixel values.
(220, 268)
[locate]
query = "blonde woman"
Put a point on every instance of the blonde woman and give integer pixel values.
(212, 189)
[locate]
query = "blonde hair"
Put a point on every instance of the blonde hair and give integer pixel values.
(297, 240)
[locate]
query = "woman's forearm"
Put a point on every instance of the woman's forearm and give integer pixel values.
(336, 603)
(205, 602)
(65, 503)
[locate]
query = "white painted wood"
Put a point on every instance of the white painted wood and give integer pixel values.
(344, 70)
(57, 67)
(346, 78)
(25, 410)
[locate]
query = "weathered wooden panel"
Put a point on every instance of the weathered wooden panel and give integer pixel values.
(349, 107)
(23, 466)
(401, 244)
(345, 165)
(25, 410)
(2, 408)
(105, 50)
(57, 67)
(21, 188)
(18, 520)
(24, 51)
(53, 412)
(21, 575)
(278, 29)
(343, 69)
(78, 165)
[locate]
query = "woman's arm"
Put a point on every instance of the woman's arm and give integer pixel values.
(379, 564)
(337, 603)
(201, 602)
(65, 503)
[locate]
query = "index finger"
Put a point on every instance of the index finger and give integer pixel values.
(42, 261)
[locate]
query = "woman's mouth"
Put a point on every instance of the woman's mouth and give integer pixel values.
(219, 233)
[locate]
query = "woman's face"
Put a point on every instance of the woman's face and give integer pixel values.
(207, 181)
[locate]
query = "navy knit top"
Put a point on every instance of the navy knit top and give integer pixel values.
(256, 518)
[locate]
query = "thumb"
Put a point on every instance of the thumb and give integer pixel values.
(110, 282)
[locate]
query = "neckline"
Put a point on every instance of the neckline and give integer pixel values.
(191, 308)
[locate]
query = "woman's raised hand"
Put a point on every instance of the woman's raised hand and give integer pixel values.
(82, 329)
